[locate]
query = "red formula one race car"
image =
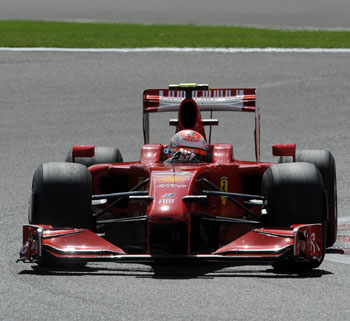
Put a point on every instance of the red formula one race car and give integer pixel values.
(189, 201)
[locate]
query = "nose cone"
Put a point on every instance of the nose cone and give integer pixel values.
(168, 210)
(168, 188)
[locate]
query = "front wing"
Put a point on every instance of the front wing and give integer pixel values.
(259, 246)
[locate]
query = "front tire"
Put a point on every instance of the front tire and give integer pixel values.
(325, 163)
(61, 196)
(295, 195)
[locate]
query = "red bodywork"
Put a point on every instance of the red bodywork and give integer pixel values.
(177, 220)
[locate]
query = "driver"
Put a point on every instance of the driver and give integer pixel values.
(188, 146)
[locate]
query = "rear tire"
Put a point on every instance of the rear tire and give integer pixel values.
(295, 195)
(103, 155)
(61, 196)
(325, 163)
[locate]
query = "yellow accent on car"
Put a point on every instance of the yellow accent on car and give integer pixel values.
(224, 188)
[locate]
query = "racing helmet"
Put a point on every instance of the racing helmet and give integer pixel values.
(191, 142)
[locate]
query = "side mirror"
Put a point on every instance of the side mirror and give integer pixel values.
(284, 150)
(82, 151)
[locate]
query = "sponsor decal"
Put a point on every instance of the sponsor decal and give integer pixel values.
(224, 188)
(24, 249)
(30, 247)
(191, 137)
(172, 185)
(139, 181)
(34, 246)
(169, 195)
(312, 246)
(309, 245)
(173, 179)
(166, 201)
(172, 173)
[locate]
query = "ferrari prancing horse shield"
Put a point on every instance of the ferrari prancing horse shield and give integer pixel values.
(224, 188)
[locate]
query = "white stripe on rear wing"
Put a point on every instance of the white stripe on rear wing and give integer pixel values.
(163, 100)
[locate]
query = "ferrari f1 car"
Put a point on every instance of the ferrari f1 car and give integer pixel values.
(189, 201)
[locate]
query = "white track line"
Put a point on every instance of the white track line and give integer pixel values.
(182, 50)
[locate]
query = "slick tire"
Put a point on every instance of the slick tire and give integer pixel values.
(61, 196)
(103, 155)
(295, 195)
(325, 163)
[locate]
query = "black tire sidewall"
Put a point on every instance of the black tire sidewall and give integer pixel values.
(294, 193)
(325, 163)
(61, 196)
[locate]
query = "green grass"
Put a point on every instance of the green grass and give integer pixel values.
(113, 35)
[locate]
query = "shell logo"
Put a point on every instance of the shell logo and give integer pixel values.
(224, 188)
(172, 179)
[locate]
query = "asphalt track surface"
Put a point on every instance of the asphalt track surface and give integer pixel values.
(50, 101)
(265, 13)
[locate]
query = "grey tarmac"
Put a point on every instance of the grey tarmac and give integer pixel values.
(50, 101)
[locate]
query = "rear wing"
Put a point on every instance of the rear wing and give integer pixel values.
(163, 100)
(225, 99)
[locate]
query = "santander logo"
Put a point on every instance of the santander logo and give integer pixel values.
(313, 246)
